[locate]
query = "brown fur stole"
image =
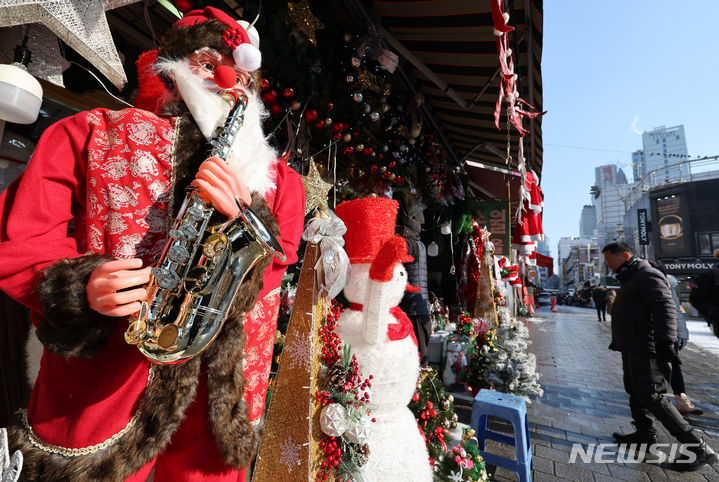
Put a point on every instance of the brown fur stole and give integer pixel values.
(236, 438)
(70, 327)
(159, 416)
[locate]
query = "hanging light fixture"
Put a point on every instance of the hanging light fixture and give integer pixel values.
(445, 228)
(20, 92)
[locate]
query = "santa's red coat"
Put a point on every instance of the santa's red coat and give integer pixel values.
(81, 402)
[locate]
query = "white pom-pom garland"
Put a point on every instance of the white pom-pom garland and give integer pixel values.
(247, 57)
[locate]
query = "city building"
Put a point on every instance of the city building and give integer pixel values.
(609, 190)
(578, 261)
(662, 148)
(588, 221)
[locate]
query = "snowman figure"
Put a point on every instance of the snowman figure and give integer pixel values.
(455, 362)
(382, 338)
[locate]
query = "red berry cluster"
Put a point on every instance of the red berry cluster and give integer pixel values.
(232, 37)
(428, 412)
(332, 343)
(323, 397)
(332, 454)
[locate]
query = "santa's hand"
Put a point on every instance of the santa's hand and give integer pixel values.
(104, 290)
(220, 185)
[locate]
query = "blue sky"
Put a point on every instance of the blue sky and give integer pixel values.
(610, 70)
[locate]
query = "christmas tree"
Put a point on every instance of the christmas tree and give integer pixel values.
(511, 368)
(434, 409)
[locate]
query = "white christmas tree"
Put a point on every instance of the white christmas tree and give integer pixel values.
(511, 368)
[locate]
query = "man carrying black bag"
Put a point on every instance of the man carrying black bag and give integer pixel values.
(644, 330)
(705, 295)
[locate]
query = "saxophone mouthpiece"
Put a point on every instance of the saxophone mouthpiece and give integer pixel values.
(231, 96)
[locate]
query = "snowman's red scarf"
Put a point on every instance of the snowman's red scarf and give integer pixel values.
(395, 331)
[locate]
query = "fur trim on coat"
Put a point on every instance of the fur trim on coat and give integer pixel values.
(70, 327)
(161, 411)
(235, 436)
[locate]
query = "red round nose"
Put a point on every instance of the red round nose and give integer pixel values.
(225, 76)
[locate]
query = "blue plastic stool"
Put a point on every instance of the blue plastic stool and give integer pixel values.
(514, 410)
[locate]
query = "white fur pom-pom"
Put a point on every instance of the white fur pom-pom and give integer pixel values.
(498, 33)
(247, 57)
(506, 17)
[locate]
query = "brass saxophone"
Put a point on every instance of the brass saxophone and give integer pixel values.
(194, 284)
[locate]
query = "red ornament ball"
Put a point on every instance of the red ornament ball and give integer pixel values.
(330, 106)
(288, 93)
(320, 125)
(264, 84)
(367, 151)
(276, 109)
(185, 6)
(270, 97)
(311, 115)
(338, 127)
(349, 150)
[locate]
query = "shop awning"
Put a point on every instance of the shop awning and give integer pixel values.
(454, 39)
(489, 182)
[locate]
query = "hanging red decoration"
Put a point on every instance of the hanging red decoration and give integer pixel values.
(185, 6)
(264, 84)
(270, 97)
(311, 115)
(288, 93)
(276, 109)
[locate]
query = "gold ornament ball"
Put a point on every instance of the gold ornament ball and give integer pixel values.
(347, 138)
(360, 147)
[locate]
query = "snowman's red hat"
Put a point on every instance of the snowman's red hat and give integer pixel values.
(370, 224)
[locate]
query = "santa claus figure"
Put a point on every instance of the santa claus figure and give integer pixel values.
(81, 230)
(382, 338)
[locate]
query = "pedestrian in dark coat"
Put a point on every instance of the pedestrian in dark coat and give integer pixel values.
(599, 295)
(705, 295)
(644, 330)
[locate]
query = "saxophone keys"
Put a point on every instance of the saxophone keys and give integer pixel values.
(215, 245)
(166, 280)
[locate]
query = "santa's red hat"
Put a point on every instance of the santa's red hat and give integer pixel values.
(370, 224)
(188, 34)
(247, 56)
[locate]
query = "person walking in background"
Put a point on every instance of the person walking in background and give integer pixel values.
(682, 402)
(644, 330)
(415, 302)
(599, 295)
(705, 295)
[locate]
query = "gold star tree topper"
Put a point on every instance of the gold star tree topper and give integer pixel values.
(316, 190)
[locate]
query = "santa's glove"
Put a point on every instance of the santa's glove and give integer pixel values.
(666, 352)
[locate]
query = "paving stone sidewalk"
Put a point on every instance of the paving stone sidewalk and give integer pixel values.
(584, 401)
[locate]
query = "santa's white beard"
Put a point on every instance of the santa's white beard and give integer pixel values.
(251, 155)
